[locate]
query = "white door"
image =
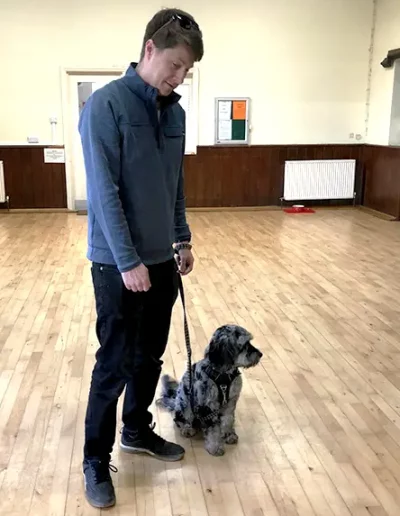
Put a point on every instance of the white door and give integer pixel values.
(80, 87)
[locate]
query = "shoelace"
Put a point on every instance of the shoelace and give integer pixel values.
(101, 470)
(149, 436)
(152, 434)
(149, 433)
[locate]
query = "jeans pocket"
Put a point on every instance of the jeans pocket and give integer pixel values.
(108, 285)
(105, 268)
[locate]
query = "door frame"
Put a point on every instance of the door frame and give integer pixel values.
(66, 74)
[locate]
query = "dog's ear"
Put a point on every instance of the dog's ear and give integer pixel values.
(221, 351)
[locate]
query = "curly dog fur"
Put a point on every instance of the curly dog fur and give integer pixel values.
(217, 384)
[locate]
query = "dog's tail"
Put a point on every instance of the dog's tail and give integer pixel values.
(169, 386)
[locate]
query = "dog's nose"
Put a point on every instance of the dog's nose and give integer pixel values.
(260, 354)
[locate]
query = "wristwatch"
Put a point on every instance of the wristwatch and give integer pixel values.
(182, 245)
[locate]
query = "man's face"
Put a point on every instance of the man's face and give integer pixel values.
(166, 69)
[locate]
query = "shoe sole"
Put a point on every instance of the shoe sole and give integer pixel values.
(171, 458)
(93, 503)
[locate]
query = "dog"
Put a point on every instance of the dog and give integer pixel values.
(217, 384)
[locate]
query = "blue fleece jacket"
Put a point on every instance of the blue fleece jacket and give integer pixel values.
(134, 168)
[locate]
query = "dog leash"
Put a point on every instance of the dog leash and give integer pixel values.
(204, 419)
(187, 334)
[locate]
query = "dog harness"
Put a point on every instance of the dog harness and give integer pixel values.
(223, 382)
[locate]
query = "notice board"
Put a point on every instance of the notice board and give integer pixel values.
(232, 120)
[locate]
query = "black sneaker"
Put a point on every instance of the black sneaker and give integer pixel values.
(99, 489)
(147, 441)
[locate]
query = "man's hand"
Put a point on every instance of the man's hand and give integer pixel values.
(185, 261)
(137, 279)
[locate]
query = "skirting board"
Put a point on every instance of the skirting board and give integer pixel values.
(15, 211)
(378, 214)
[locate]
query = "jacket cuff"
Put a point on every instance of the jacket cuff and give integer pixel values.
(128, 266)
(182, 234)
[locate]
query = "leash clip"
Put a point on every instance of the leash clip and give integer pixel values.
(224, 389)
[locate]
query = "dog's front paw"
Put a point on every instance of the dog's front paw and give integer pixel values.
(231, 438)
(188, 432)
(216, 451)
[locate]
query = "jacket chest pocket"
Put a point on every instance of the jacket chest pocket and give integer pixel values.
(141, 139)
(174, 142)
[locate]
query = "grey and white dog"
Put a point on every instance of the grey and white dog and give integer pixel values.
(217, 384)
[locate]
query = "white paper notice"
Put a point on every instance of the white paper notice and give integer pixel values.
(224, 110)
(54, 156)
(225, 130)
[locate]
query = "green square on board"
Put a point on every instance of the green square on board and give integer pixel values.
(238, 129)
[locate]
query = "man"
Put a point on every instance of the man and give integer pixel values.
(133, 139)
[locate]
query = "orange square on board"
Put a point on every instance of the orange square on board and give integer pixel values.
(239, 110)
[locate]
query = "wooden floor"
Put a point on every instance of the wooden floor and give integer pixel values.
(319, 419)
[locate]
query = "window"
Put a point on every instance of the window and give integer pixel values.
(394, 134)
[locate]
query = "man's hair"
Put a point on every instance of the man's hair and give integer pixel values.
(167, 32)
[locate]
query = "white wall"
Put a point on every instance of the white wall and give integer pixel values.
(387, 37)
(304, 63)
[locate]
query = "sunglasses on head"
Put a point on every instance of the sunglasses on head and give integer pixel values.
(184, 21)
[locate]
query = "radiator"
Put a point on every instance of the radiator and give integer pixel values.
(2, 184)
(319, 179)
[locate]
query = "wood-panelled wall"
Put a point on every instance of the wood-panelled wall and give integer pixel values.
(29, 181)
(253, 176)
(220, 176)
(382, 179)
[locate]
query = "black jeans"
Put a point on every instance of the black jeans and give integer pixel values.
(133, 330)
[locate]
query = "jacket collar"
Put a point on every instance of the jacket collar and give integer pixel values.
(148, 93)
